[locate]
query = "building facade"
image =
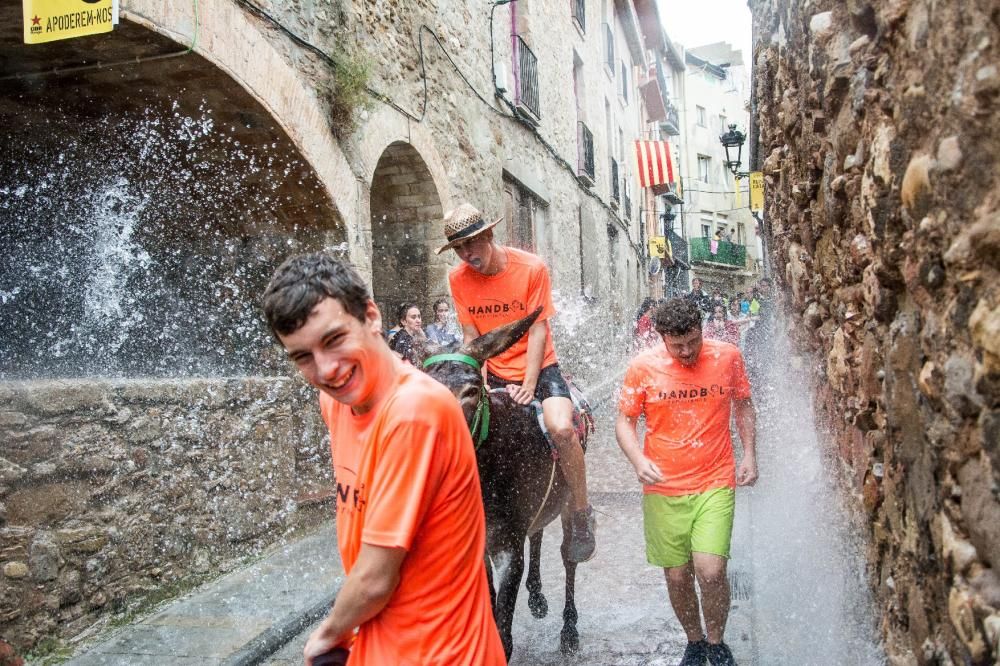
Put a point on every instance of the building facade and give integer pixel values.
(723, 247)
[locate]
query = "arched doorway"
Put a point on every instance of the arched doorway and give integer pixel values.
(406, 229)
(144, 208)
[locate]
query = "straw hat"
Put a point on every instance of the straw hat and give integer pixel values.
(462, 223)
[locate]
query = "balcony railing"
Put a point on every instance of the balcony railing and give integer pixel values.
(726, 252)
(615, 183)
(527, 78)
(580, 13)
(585, 153)
(609, 48)
(672, 125)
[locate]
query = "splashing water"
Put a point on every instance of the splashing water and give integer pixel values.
(812, 604)
(145, 254)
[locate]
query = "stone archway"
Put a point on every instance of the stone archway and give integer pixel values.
(405, 221)
(145, 206)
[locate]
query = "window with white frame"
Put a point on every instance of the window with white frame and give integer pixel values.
(704, 168)
(700, 116)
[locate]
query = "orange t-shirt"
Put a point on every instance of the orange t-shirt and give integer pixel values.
(406, 477)
(490, 301)
(687, 412)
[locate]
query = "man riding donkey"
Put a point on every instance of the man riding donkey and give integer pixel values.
(410, 521)
(495, 285)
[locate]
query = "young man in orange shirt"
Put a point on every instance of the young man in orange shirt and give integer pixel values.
(688, 388)
(495, 285)
(410, 523)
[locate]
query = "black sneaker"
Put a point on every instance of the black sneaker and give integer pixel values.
(694, 654)
(582, 543)
(720, 655)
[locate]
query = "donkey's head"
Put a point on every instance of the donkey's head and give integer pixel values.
(461, 371)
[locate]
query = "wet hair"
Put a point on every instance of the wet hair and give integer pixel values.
(678, 316)
(403, 309)
(439, 302)
(304, 280)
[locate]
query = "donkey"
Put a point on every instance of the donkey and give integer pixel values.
(522, 484)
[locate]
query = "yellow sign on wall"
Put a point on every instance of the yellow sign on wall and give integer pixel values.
(49, 20)
(658, 246)
(756, 191)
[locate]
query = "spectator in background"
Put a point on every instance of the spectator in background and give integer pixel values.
(409, 333)
(444, 331)
(699, 297)
(719, 328)
(643, 328)
(759, 339)
(744, 303)
(736, 316)
(643, 335)
(718, 298)
(754, 302)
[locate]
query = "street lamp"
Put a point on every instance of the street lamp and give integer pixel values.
(734, 139)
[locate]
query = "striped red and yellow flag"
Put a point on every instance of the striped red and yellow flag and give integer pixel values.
(653, 163)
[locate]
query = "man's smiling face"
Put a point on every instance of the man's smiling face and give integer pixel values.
(336, 352)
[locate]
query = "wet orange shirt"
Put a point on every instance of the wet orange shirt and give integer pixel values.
(688, 411)
(490, 301)
(406, 477)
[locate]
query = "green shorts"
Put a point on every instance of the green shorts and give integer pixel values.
(676, 526)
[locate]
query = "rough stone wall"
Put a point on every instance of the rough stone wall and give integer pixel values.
(114, 492)
(878, 136)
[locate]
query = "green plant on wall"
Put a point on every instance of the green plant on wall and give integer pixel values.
(348, 92)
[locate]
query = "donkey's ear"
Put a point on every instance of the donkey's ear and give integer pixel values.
(423, 349)
(500, 339)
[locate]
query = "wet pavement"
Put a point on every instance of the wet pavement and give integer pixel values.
(263, 614)
(236, 619)
(624, 614)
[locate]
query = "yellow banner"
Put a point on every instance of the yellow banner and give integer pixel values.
(49, 20)
(658, 247)
(757, 191)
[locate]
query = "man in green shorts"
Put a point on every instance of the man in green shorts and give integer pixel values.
(688, 389)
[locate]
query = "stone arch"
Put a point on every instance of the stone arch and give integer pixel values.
(405, 221)
(185, 179)
(233, 41)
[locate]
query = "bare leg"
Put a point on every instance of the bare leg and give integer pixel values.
(684, 600)
(558, 416)
(715, 597)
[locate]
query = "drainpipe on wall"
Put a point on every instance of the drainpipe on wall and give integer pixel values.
(515, 66)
